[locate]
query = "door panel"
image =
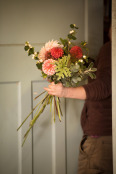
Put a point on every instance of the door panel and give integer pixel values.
(9, 141)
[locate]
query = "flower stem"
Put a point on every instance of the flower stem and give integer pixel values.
(39, 95)
(57, 101)
(36, 117)
(31, 113)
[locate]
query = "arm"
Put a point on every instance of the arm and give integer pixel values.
(100, 88)
(60, 91)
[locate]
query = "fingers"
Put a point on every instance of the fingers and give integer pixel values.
(50, 91)
(54, 89)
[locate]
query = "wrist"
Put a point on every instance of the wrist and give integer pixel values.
(64, 93)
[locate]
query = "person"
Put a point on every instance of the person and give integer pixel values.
(95, 155)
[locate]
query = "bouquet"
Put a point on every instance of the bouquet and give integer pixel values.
(60, 61)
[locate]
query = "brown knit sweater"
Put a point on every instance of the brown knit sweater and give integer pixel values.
(96, 118)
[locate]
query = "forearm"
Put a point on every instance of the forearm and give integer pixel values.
(77, 93)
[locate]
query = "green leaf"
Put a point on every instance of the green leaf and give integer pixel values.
(31, 51)
(64, 41)
(92, 75)
(76, 27)
(74, 38)
(94, 69)
(76, 79)
(83, 43)
(36, 58)
(26, 48)
(39, 66)
(72, 26)
(74, 67)
(44, 75)
(90, 65)
(70, 36)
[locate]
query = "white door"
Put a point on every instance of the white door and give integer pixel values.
(50, 148)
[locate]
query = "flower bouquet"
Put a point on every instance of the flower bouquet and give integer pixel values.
(60, 61)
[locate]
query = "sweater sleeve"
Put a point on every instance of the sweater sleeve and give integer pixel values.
(100, 88)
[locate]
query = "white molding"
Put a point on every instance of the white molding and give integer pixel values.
(20, 132)
(21, 44)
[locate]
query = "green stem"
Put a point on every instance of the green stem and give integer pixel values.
(54, 108)
(60, 107)
(35, 118)
(26, 135)
(42, 109)
(39, 95)
(31, 113)
(57, 101)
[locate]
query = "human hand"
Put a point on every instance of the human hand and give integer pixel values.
(56, 89)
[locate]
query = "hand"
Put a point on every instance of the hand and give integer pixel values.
(56, 89)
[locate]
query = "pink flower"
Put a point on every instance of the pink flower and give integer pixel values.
(57, 52)
(48, 67)
(76, 52)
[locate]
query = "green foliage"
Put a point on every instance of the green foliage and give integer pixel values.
(91, 65)
(92, 75)
(83, 43)
(39, 65)
(71, 37)
(29, 48)
(73, 26)
(44, 75)
(64, 41)
(62, 69)
(31, 51)
(74, 67)
(26, 48)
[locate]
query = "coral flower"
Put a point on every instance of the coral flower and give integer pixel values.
(57, 52)
(76, 52)
(48, 67)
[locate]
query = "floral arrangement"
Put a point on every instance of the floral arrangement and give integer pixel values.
(60, 61)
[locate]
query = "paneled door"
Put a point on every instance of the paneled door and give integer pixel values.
(50, 148)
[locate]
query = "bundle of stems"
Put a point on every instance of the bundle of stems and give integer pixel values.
(54, 108)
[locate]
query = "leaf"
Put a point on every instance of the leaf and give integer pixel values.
(94, 69)
(76, 79)
(39, 65)
(26, 48)
(71, 25)
(70, 36)
(74, 67)
(31, 51)
(90, 65)
(83, 43)
(44, 75)
(36, 58)
(92, 75)
(76, 27)
(64, 41)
